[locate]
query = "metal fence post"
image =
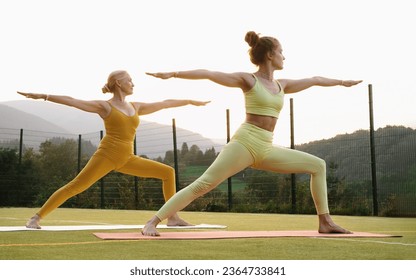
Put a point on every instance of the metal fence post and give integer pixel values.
(175, 154)
(230, 184)
(102, 179)
(373, 153)
(292, 146)
(136, 179)
(79, 153)
(19, 168)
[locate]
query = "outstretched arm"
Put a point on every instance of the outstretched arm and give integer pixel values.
(96, 106)
(148, 108)
(238, 79)
(292, 86)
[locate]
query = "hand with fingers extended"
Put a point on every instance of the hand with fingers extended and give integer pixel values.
(34, 95)
(198, 103)
(163, 75)
(350, 83)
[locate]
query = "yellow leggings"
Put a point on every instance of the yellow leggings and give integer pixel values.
(98, 166)
(252, 146)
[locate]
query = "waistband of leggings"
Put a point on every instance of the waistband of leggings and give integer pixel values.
(263, 133)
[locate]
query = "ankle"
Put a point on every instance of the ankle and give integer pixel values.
(154, 221)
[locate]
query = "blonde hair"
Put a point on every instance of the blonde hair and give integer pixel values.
(112, 79)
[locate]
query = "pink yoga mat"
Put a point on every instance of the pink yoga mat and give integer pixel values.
(182, 235)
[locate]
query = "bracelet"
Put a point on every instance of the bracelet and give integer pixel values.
(175, 75)
(46, 97)
(342, 82)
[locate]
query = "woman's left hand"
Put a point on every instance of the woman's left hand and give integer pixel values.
(33, 95)
(198, 103)
(162, 75)
(350, 83)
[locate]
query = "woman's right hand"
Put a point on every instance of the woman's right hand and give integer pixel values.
(162, 75)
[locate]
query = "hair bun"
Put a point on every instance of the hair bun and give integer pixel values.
(105, 89)
(252, 38)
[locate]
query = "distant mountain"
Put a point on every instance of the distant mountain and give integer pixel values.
(153, 139)
(16, 119)
(70, 119)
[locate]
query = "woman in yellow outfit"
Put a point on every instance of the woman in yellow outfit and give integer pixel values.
(251, 145)
(115, 151)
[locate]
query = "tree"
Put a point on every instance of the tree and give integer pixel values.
(8, 175)
(17, 179)
(169, 158)
(184, 150)
(195, 156)
(58, 165)
(209, 156)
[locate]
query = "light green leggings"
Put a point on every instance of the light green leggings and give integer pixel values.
(252, 146)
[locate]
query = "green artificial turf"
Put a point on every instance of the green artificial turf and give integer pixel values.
(83, 245)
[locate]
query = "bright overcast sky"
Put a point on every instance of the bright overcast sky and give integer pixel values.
(70, 47)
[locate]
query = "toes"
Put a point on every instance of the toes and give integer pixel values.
(150, 233)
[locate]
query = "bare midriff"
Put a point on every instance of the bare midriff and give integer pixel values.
(265, 122)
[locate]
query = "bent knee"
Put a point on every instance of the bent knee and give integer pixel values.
(168, 173)
(320, 165)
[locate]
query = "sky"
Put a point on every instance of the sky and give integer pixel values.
(70, 47)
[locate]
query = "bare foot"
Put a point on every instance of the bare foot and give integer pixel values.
(149, 228)
(326, 225)
(34, 222)
(176, 221)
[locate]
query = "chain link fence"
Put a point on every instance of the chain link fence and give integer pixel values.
(34, 164)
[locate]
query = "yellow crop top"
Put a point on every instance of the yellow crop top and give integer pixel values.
(260, 101)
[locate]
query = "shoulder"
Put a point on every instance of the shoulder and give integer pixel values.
(287, 84)
(140, 107)
(249, 81)
(137, 105)
(282, 82)
(103, 107)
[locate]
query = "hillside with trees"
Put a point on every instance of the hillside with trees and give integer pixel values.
(395, 148)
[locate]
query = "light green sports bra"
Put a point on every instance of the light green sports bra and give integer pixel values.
(260, 101)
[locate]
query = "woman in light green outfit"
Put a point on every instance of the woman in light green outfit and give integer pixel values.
(251, 145)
